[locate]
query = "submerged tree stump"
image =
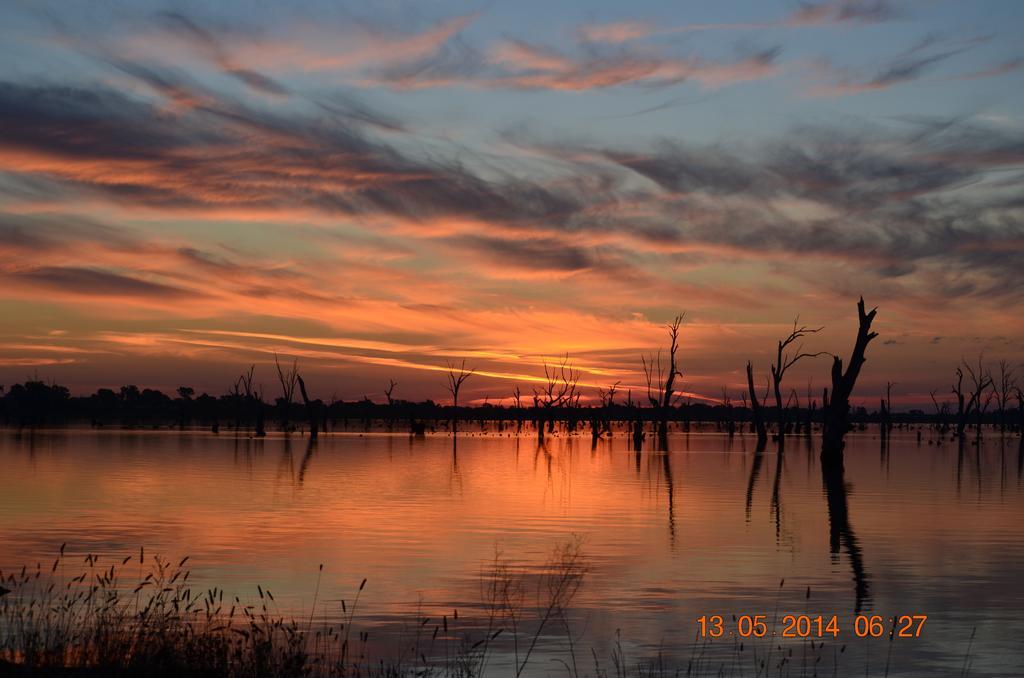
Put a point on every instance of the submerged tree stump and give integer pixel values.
(836, 412)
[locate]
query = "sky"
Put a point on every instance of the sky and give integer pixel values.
(379, 189)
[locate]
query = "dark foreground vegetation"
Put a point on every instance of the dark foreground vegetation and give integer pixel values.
(110, 619)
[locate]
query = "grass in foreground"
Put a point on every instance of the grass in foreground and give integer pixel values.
(141, 617)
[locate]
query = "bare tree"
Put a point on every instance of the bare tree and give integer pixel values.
(1004, 391)
(941, 412)
(885, 410)
(837, 408)
(793, 402)
(389, 390)
(783, 361)
(456, 377)
(236, 398)
(288, 380)
(981, 396)
(607, 397)
(727, 403)
(559, 390)
(963, 408)
(661, 392)
(970, 399)
(607, 400)
(812, 406)
(253, 397)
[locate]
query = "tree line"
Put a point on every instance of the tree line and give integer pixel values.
(979, 395)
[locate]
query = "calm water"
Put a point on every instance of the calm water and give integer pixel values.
(710, 528)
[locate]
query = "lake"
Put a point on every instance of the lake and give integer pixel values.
(710, 528)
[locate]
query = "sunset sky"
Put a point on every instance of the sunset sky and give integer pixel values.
(378, 188)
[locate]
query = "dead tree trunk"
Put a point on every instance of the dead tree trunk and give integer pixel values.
(661, 391)
(311, 412)
(783, 361)
(962, 410)
(287, 381)
(941, 414)
(755, 409)
(885, 411)
(981, 381)
(837, 412)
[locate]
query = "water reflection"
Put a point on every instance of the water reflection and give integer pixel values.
(1020, 458)
(306, 458)
(841, 532)
(666, 460)
(674, 530)
(780, 461)
(755, 471)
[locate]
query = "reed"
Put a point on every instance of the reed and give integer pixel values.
(140, 616)
(105, 621)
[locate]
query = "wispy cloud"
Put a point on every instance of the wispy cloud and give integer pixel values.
(294, 47)
(904, 68)
(516, 64)
(618, 31)
(818, 14)
(211, 191)
(203, 40)
(126, 150)
(1003, 68)
(90, 282)
(843, 11)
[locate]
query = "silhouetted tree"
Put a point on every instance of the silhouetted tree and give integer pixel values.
(661, 392)
(1005, 387)
(1020, 415)
(456, 377)
(253, 397)
(607, 400)
(756, 412)
(36, 403)
(981, 396)
(941, 413)
(185, 393)
(837, 409)
(607, 397)
(812, 406)
(963, 406)
(727, 404)
(783, 361)
(288, 380)
(559, 390)
(885, 411)
(969, 401)
(311, 406)
(389, 390)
